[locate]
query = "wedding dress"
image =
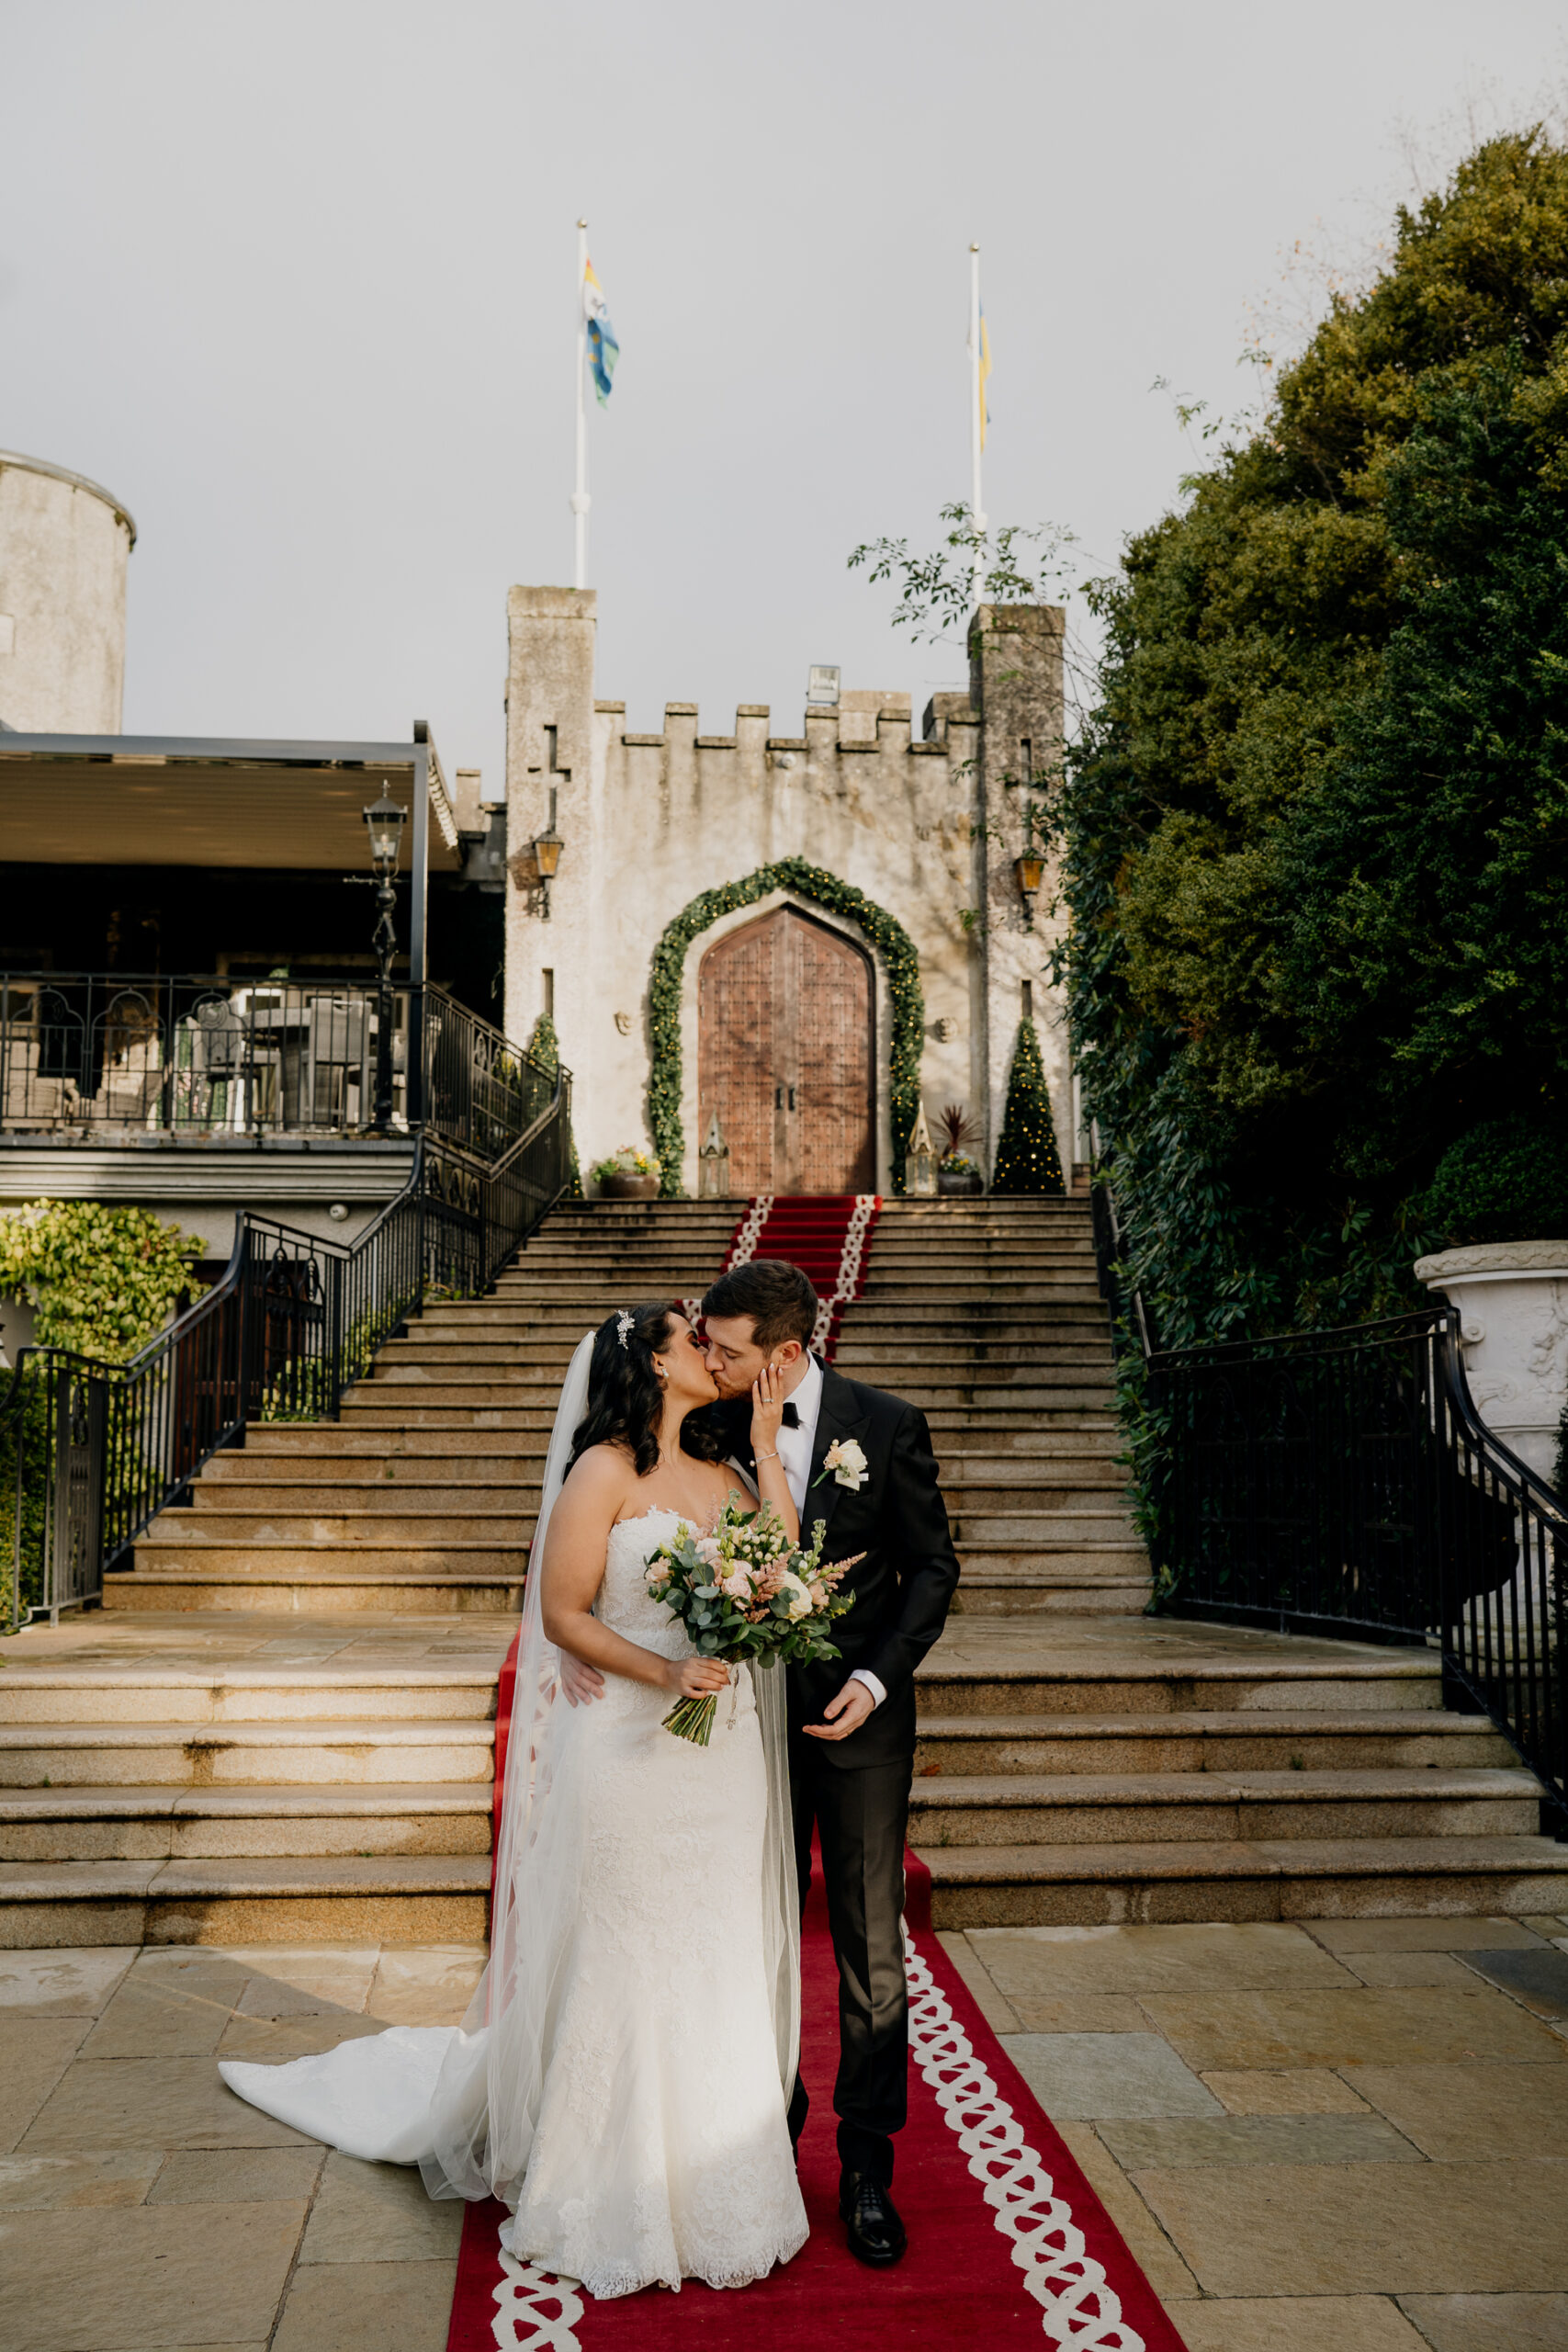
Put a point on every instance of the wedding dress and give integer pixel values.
(620, 2078)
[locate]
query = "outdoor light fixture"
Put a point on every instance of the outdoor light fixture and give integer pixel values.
(386, 818)
(547, 847)
(1029, 869)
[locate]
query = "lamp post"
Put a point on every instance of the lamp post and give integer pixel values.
(386, 818)
(547, 847)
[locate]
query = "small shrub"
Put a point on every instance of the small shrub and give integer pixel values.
(1504, 1180)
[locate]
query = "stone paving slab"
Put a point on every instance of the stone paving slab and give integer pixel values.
(142, 2204)
(1337, 2192)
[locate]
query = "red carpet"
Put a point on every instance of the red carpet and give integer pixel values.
(1008, 2245)
(827, 1235)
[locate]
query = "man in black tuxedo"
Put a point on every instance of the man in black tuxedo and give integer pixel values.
(861, 1462)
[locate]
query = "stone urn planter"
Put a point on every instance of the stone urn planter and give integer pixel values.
(629, 1188)
(959, 1183)
(1512, 1298)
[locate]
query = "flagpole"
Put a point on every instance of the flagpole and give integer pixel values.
(976, 393)
(579, 496)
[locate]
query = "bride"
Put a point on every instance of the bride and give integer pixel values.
(620, 2079)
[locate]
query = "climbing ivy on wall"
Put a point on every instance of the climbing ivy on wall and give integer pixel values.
(103, 1280)
(899, 959)
(543, 1047)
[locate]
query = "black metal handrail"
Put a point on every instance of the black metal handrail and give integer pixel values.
(90, 1451)
(1343, 1482)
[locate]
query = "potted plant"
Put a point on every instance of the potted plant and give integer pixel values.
(956, 1173)
(627, 1175)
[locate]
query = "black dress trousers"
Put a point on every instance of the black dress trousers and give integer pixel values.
(860, 1818)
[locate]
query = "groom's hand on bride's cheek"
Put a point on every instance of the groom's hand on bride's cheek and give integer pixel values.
(843, 1714)
(579, 1683)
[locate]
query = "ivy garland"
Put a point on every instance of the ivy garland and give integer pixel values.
(903, 967)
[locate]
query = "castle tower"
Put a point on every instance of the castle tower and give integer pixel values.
(805, 934)
(64, 545)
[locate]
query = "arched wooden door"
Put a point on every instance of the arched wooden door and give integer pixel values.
(785, 1057)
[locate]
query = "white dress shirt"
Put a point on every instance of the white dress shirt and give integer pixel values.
(795, 1458)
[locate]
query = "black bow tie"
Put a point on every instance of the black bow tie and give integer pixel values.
(791, 1417)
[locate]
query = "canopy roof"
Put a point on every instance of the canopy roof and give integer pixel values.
(192, 801)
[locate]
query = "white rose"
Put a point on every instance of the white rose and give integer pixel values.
(799, 1592)
(846, 1461)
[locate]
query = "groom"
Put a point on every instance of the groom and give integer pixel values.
(852, 1722)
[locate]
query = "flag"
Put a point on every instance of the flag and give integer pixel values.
(983, 372)
(602, 349)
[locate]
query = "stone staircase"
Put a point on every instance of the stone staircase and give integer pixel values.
(987, 1314)
(1081, 1773)
(197, 1780)
(423, 1496)
(291, 1736)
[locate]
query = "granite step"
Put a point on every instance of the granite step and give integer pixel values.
(1236, 1741)
(301, 1585)
(1239, 1879)
(234, 1755)
(1172, 1690)
(1082, 1808)
(168, 1824)
(389, 1899)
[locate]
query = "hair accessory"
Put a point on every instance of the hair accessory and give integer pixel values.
(623, 1323)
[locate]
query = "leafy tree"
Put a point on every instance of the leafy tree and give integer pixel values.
(1313, 838)
(1027, 1158)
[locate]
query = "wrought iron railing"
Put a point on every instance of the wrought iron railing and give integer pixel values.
(192, 1055)
(91, 1452)
(1343, 1482)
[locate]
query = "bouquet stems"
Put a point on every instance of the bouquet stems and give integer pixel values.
(692, 1719)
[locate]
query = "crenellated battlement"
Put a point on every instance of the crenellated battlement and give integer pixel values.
(925, 826)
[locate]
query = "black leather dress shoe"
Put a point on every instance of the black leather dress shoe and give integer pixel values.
(877, 2235)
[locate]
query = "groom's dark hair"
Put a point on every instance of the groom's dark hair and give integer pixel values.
(777, 1295)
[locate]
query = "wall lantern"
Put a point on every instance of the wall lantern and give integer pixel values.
(547, 847)
(1029, 868)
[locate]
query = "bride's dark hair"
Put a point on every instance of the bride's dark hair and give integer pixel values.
(625, 1399)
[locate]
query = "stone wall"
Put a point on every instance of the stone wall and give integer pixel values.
(927, 827)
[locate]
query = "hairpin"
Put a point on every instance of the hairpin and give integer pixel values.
(623, 1323)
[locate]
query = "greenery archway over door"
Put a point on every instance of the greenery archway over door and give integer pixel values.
(887, 935)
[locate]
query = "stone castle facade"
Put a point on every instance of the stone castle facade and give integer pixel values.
(898, 858)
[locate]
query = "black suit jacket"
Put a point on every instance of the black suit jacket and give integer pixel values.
(900, 1591)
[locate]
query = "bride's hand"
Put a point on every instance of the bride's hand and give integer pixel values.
(696, 1678)
(767, 1409)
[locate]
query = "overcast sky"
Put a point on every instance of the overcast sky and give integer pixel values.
(296, 279)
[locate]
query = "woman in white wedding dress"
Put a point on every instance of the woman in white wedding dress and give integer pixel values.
(621, 2078)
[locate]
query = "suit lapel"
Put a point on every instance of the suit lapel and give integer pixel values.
(838, 1417)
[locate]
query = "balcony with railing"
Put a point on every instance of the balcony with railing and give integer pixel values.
(104, 1058)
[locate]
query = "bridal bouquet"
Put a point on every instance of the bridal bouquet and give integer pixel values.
(746, 1594)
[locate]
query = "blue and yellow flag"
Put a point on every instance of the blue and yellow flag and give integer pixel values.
(602, 349)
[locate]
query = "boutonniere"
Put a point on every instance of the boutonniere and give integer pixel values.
(845, 1463)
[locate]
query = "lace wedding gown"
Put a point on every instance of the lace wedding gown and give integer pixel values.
(658, 2148)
